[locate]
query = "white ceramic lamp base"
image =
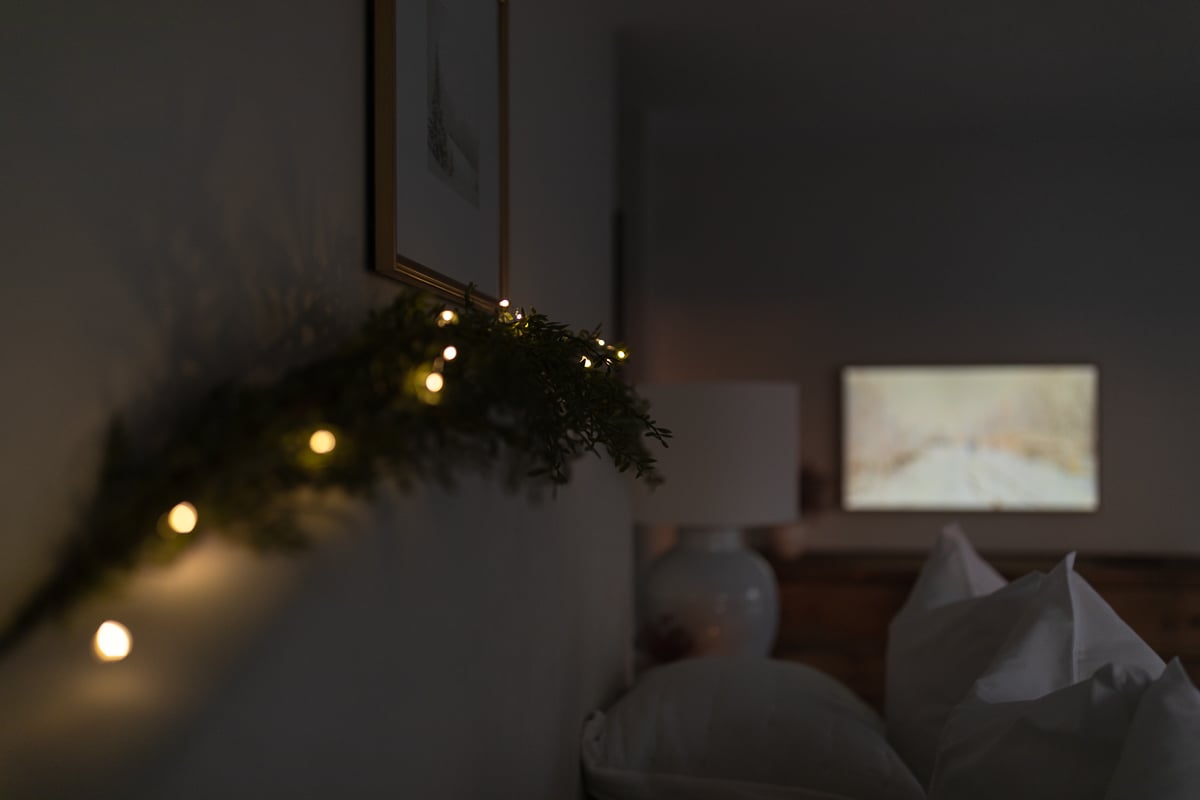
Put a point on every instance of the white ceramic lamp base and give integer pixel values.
(710, 595)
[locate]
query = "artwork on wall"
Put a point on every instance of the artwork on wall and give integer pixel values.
(440, 145)
(984, 438)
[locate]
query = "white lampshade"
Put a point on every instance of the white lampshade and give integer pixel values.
(733, 460)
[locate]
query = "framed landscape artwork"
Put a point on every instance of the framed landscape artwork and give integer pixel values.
(440, 145)
(983, 438)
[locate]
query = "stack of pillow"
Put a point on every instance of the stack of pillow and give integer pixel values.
(1032, 689)
(1025, 690)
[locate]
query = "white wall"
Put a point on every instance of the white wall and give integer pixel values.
(769, 255)
(185, 201)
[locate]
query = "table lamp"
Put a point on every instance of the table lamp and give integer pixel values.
(733, 462)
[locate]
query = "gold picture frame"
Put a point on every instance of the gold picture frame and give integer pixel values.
(440, 145)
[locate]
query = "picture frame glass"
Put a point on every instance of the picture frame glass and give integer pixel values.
(441, 144)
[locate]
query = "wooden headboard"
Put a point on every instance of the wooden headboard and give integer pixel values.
(835, 608)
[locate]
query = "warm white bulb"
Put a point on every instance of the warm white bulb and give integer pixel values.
(183, 518)
(450, 353)
(448, 315)
(322, 442)
(587, 362)
(434, 382)
(504, 303)
(621, 354)
(112, 641)
(600, 342)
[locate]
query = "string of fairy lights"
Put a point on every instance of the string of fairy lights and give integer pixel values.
(112, 640)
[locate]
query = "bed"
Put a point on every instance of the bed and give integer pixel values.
(1026, 688)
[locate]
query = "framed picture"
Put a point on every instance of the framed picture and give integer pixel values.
(971, 438)
(440, 146)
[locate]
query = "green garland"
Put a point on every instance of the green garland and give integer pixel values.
(516, 392)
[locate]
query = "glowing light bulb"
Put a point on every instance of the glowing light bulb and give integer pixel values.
(446, 317)
(112, 641)
(622, 355)
(600, 342)
(519, 315)
(450, 353)
(587, 362)
(504, 303)
(183, 518)
(434, 382)
(322, 442)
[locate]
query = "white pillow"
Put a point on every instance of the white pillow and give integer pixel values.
(1066, 633)
(1161, 757)
(957, 617)
(1049, 716)
(1060, 746)
(720, 727)
(953, 571)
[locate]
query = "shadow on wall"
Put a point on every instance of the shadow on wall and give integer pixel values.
(175, 219)
(249, 275)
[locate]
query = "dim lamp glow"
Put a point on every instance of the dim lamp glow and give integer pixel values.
(183, 518)
(112, 641)
(450, 353)
(434, 382)
(322, 442)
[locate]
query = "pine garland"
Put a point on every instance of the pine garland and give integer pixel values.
(516, 392)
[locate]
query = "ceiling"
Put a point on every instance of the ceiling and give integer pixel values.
(1099, 66)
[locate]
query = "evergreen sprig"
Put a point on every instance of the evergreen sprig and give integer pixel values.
(523, 394)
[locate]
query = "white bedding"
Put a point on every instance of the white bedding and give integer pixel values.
(717, 728)
(1030, 690)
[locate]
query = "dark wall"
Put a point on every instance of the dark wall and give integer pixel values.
(184, 201)
(764, 255)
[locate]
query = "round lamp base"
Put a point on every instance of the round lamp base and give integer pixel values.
(710, 595)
